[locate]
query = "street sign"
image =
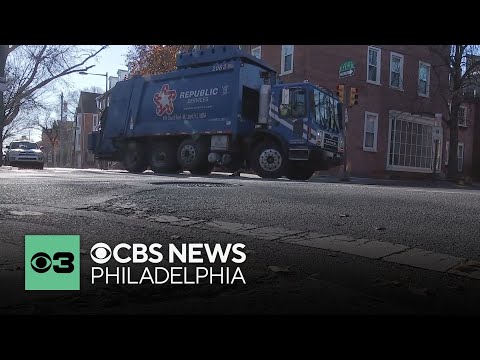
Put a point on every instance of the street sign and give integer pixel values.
(346, 69)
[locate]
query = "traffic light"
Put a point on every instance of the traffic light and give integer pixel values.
(341, 93)
(353, 96)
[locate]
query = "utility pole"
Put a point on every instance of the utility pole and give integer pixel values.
(61, 106)
(345, 125)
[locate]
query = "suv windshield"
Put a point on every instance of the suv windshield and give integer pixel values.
(23, 145)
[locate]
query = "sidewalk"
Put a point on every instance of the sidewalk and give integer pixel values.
(427, 183)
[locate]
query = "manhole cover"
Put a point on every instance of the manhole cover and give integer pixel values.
(194, 184)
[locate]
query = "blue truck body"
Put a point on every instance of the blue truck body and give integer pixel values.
(217, 109)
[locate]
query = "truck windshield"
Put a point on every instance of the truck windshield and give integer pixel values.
(23, 145)
(325, 111)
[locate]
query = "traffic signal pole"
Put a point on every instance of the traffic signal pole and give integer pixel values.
(345, 146)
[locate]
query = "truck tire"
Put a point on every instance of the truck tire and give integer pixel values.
(163, 158)
(134, 159)
(300, 170)
(269, 160)
(192, 155)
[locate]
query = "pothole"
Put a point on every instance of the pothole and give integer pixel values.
(194, 184)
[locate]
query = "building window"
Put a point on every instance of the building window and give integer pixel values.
(257, 52)
(95, 122)
(462, 116)
(423, 79)
(411, 144)
(447, 151)
(287, 59)
(370, 131)
(78, 132)
(373, 65)
(396, 71)
(460, 151)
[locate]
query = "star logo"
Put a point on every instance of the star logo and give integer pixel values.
(164, 100)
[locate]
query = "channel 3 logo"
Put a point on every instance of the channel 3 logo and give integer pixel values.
(41, 262)
(52, 262)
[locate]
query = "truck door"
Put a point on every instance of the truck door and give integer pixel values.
(293, 109)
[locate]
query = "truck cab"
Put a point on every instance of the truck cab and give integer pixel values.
(310, 117)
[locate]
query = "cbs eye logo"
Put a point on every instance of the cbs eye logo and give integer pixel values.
(101, 253)
(41, 262)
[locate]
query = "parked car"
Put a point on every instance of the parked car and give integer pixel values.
(24, 154)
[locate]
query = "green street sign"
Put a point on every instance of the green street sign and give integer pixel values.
(347, 68)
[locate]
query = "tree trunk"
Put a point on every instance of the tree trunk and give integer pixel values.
(457, 98)
(3, 61)
(452, 172)
(54, 155)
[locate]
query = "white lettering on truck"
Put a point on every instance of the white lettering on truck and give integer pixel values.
(198, 93)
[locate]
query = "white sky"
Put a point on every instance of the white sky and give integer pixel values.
(108, 61)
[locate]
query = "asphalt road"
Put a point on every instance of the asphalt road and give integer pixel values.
(312, 247)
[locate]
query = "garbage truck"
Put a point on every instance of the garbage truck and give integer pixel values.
(221, 108)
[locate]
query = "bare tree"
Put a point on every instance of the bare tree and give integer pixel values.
(94, 89)
(462, 63)
(22, 123)
(30, 69)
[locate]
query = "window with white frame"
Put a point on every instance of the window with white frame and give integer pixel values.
(396, 71)
(257, 52)
(287, 59)
(411, 146)
(423, 79)
(78, 132)
(95, 122)
(370, 131)
(462, 116)
(460, 150)
(373, 65)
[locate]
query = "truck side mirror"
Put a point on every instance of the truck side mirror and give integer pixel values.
(285, 96)
(340, 115)
(41, 148)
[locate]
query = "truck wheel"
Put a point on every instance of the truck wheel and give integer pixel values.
(299, 170)
(163, 158)
(134, 159)
(269, 160)
(193, 155)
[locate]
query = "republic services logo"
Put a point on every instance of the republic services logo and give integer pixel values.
(164, 100)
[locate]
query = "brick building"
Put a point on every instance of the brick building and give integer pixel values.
(61, 154)
(397, 124)
(86, 122)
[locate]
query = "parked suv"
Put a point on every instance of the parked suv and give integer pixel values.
(24, 154)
